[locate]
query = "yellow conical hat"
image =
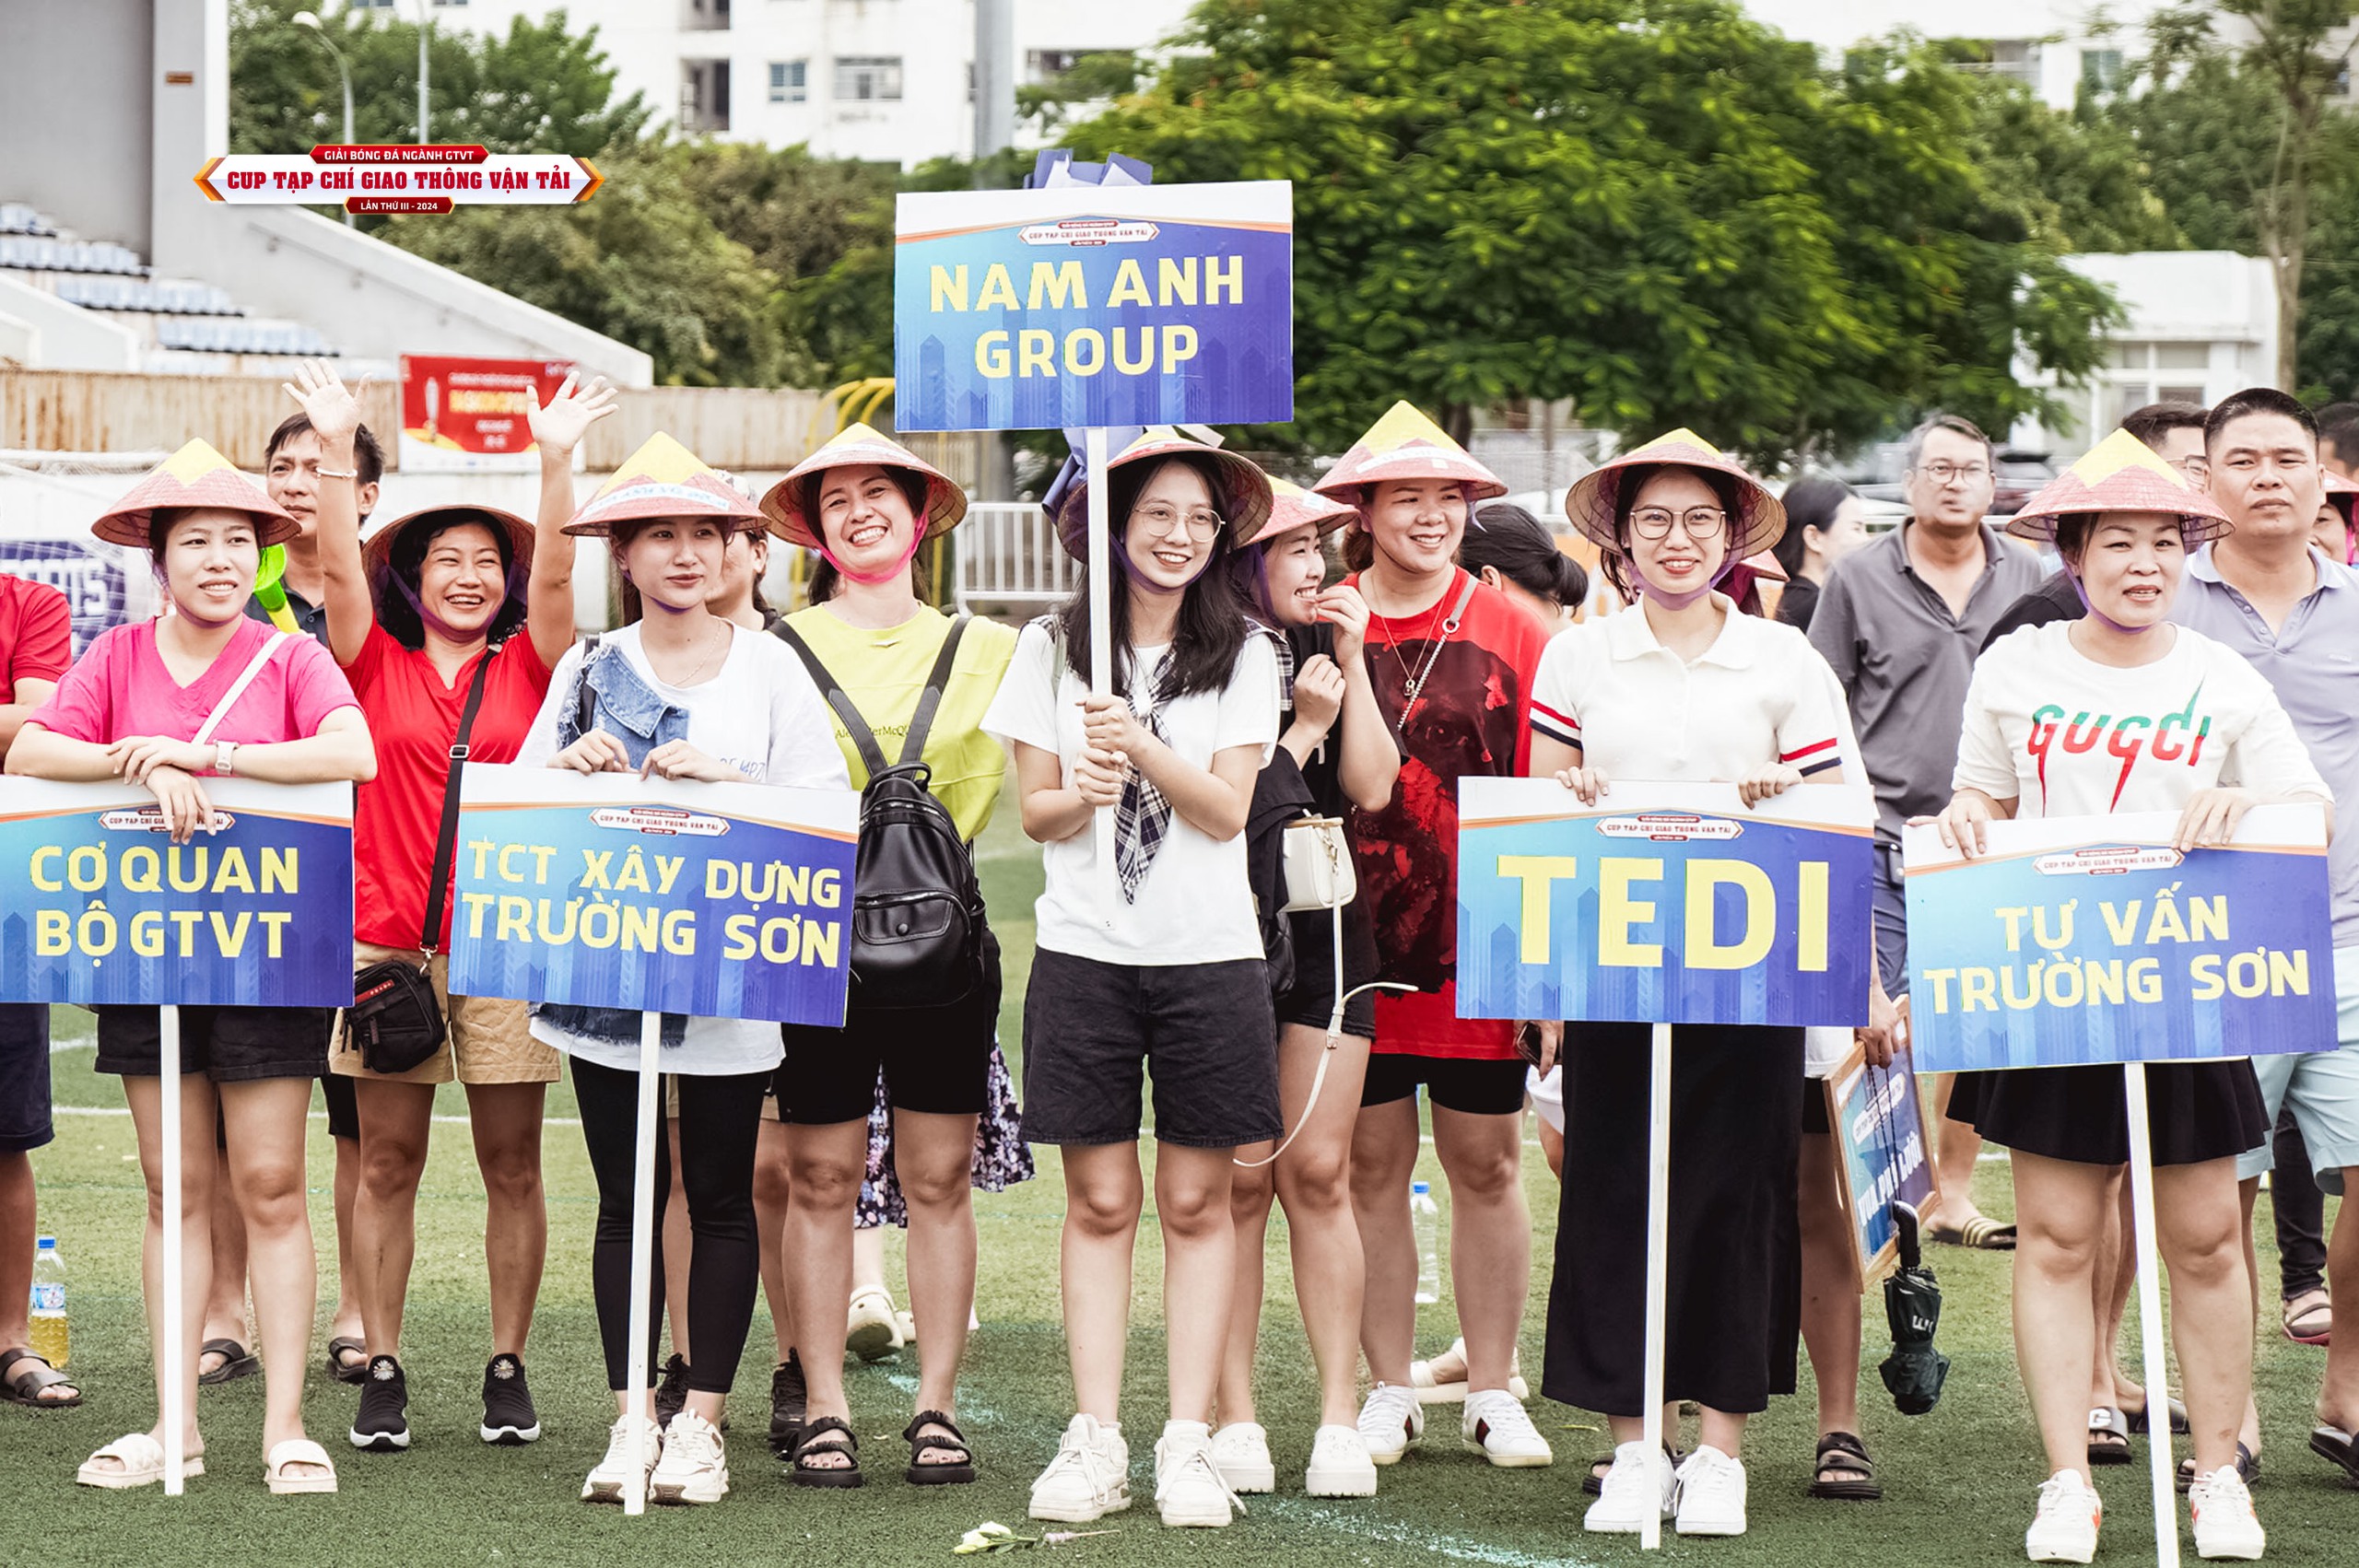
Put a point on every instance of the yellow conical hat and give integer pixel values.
(662, 478)
(1404, 444)
(195, 475)
(1243, 498)
(2121, 474)
(859, 445)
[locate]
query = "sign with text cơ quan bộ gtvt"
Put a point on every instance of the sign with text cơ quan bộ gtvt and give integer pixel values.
(2077, 940)
(1663, 904)
(1093, 305)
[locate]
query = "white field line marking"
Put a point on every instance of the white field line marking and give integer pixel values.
(1344, 1522)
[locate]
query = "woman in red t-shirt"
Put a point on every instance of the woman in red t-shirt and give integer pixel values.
(1453, 662)
(413, 618)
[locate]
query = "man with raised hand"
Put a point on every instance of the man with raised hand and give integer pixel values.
(1901, 620)
(2294, 614)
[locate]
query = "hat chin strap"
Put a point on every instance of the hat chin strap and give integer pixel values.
(917, 542)
(1667, 599)
(2081, 591)
(1145, 584)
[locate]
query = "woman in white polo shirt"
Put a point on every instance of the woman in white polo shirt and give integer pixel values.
(1683, 686)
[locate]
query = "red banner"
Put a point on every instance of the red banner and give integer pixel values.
(473, 414)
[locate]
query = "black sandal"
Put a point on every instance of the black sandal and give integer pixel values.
(790, 1400)
(345, 1371)
(923, 1442)
(1838, 1452)
(25, 1376)
(2247, 1465)
(815, 1441)
(236, 1361)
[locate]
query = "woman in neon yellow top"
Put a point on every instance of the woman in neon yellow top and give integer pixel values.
(866, 504)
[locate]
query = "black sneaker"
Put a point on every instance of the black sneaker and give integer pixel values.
(788, 1405)
(507, 1414)
(382, 1425)
(672, 1393)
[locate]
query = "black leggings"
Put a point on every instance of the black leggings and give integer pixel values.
(720, 1118)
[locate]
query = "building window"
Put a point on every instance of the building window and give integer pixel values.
(864, 78)
(705, 16)
(2101, 69)
(2016, 59)
(1043, 65)
(704, 97)
(788, 84)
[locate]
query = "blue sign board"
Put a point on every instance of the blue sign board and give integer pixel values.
(104, 908)
(1093, 305)
(1663, 904)
(2090, 940)
(1880, 1142)
(610, 890)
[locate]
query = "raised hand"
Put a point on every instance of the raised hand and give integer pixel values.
(570, 411)
(334, 411)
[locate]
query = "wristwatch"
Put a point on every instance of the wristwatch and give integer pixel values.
(224, 758)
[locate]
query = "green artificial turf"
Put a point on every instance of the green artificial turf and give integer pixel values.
(1960, 1482)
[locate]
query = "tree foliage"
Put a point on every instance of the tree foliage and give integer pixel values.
(1662, 210)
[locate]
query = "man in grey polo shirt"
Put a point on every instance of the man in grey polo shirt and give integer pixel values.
(2294, 614)
(1901, 620)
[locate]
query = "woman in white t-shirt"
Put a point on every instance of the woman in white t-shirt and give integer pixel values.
(1683, 688)
(1155, 963)
(2122, 711)
(682, 694)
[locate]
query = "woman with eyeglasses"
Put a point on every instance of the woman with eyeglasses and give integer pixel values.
(1155, 963)
(1682, 687)
(1451, 660)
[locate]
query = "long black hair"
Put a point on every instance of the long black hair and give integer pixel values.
(397, 604)
(1810, 501)
(1619, 568)
(826, 580)
(1512, 542)
(1211, 630)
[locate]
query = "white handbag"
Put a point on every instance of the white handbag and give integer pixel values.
(1318, 865)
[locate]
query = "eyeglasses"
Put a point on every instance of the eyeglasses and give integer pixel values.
(2194, 470)
(1699, 523)
(1203, 523)
(1963, 473)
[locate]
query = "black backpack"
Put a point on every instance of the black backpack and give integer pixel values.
(917, 911)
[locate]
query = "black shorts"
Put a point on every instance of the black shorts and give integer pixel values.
(24, 1078)
(1093, 1031)
(935, 1059)
(1468, 1084)
(1312, 998)
(343, 1104)
(1814, 1120)
(229, 1044)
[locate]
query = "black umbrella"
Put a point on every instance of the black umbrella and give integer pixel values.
(1912, 1305)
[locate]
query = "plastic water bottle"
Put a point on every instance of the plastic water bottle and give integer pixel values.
(1426, 1215)
(51, 1340)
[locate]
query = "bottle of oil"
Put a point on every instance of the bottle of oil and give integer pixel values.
(51, 1340)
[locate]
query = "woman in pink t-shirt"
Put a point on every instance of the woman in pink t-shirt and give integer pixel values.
(129, 710)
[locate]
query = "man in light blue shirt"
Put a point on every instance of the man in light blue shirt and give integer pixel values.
(2294, 614)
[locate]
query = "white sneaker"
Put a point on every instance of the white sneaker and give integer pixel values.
(1189, 1487)
(1432, 1390)
(2224, 1524)
(1711, 1494)
(1340, 1465)
(695, 1466)
(613, 1472)
(1090, 1477)
(1392, 1422)
(1242, 1452)
(1495, 1426)
(1629, 1489)
(2066, 1528)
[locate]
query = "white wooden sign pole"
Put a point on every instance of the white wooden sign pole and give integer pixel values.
(1101, 643)
(2150, 1316)
(649, 1125)
(174, 1367)
(1658, 1279)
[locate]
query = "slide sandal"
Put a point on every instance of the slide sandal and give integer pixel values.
(142, 1459)
(236, 1361)
(298, 1451)
(23, 1384)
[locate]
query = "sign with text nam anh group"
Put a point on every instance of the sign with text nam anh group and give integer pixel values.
(1093, 305)
(103, 907)
(2087, 939)
(1663, 903)
(614, 891)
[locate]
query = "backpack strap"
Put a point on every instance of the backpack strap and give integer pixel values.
(929, 700)
(863, 740)
(446, 839)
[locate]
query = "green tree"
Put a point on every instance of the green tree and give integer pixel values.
(1662, 210)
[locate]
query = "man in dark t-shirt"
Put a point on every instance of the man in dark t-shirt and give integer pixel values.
(290, 585)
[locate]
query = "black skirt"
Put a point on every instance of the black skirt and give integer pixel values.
(2195, 1111)
(1734, 1313)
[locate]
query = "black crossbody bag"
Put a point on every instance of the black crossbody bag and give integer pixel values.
(394, 1018)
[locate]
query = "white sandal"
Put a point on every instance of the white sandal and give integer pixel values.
(142, 1459)
(1431, 1392)
(298, 1451)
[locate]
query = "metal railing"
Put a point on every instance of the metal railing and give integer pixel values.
(1008, 553)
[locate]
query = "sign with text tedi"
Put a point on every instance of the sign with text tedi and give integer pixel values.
(1105, 305)
(2088, 940)
(614, 891)
(473, 416)
(103, 907)
(1663, 903)
(1880, 1151)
